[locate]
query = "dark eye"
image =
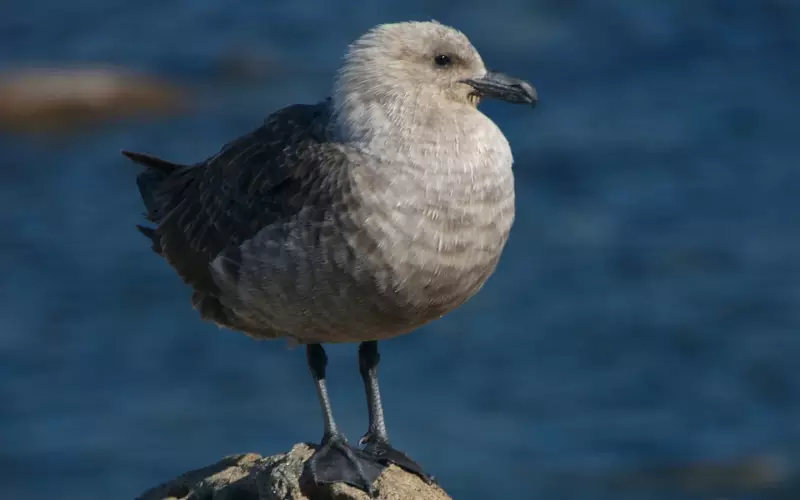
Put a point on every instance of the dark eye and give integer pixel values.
(442, 60)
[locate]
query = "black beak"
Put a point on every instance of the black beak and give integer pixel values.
(502, 86)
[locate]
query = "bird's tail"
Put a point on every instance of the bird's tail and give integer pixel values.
(150, 181)
(156, 199)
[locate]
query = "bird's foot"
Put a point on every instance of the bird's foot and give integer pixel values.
(382, 452)
(337, 462)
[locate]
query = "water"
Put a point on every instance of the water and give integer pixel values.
(639, 339)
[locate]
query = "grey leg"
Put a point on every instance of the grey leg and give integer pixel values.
(335, 460)
(317, 363)
(368, 359)
(376, 440)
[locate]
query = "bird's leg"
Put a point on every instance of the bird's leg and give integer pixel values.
(376, 440)
(335, 460)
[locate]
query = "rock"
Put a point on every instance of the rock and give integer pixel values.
(252, 477)
(63, 99)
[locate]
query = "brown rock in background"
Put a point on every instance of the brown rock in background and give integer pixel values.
(252, 477)
(63, 99)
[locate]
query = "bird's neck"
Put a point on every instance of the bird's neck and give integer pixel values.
(370, 124)
(414, 130)
(435, 159)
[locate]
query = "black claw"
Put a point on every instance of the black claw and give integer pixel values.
(336, 462)
(384, 454)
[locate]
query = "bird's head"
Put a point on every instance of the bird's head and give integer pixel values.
(424, 65)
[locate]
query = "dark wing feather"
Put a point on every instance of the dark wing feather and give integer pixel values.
(259, 179)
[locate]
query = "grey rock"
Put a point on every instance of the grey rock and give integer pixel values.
(280, 477)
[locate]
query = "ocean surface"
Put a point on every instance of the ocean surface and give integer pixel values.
(639, 340)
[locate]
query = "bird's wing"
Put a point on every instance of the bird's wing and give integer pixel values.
(260, 179)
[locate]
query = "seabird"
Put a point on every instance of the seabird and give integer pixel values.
(355, 219)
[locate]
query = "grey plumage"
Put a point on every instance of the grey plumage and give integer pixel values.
(358, 218)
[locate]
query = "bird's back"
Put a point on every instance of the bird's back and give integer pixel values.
(261, 180)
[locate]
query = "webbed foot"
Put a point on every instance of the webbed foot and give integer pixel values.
(382, 452)
(336, 461)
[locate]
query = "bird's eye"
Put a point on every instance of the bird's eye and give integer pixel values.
(442, 60)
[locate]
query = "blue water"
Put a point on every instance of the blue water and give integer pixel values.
(640, 332)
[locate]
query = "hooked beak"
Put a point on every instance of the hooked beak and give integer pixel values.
(502, 86)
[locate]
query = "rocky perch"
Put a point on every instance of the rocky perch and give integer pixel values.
(279, 477)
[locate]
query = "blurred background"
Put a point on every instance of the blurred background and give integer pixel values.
(639, 339)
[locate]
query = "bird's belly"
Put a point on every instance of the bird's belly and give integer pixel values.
(416, 280)
(388, 308)
(425, 267)
(372, 304)
(362, 285)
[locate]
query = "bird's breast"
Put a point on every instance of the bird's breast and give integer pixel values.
(436, 234)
